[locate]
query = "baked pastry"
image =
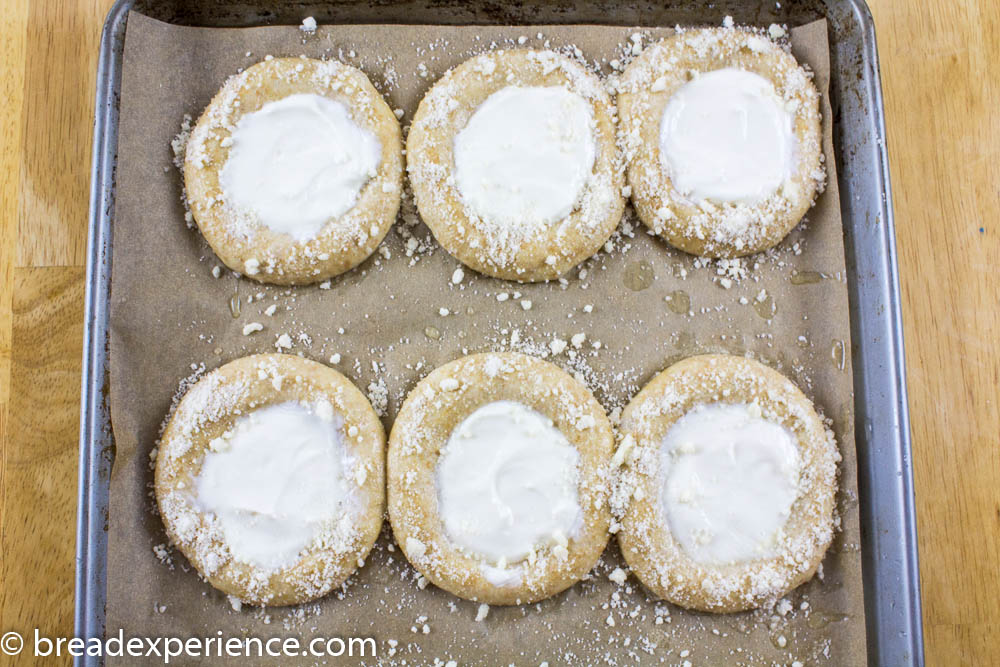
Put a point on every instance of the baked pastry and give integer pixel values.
(514, 166)
(270, 478)
(498, 468)
(294, 170)
(722, 138)
(729, 484)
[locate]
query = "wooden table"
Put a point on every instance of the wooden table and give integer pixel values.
(940, 66)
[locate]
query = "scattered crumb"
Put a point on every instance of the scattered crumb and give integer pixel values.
(283, 342)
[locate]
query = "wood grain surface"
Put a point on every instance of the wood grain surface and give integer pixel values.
(940, 66)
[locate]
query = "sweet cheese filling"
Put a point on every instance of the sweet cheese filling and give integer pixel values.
(728, 480)
(726, 136)
(507, 487)
(298, 162)
(277, 480)
(526, 155)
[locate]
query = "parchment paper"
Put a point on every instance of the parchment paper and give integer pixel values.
(170, 319)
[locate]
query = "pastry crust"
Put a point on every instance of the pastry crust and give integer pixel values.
(704, 228)
(425, 422)
(534, 255)
(645, 539)
(253, 249)
(209, 409)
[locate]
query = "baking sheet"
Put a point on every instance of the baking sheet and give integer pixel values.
(170, 318)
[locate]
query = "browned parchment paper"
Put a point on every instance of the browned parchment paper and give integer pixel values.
(170, 317)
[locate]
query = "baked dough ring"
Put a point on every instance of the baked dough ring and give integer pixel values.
(704, 228)
(651, 550)
(254, 249)
(545, 253)
(433, 410)
(208, 410)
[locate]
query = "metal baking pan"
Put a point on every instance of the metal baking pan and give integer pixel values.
(888, 530)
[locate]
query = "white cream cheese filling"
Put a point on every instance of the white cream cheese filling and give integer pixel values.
(728, 481)
(297, 163)
(526, 155)
(507, 486)
(276, 480)
(726, 136)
